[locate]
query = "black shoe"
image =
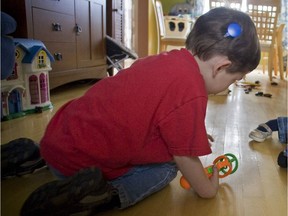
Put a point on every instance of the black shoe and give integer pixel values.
(20, 156)
(82, 192)
(282, 159)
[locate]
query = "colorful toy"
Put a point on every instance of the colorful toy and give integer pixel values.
(26, 90)
(226, 164)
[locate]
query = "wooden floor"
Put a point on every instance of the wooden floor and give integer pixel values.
(257, 188)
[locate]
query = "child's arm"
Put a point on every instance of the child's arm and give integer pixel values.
(193, 170)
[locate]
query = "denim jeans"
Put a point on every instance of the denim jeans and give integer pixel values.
(140, 182)
(282, 129)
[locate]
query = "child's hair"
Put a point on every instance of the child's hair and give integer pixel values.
(207, 40)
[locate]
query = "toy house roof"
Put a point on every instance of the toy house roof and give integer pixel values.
(31, 47)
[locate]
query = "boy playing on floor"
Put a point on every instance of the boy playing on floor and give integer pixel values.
(126, 138)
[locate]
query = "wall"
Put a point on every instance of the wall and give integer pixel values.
(141, 27)
(152, 33)
(146, 41)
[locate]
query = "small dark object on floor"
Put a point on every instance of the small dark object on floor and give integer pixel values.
(274, 83)
(282, 159)
(259, 94)
(257, 82)
(267, 95)
(247, 90)
(38, 109)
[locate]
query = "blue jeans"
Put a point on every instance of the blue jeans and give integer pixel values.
(140, 182)
(282, 129)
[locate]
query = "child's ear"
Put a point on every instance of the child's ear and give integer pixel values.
(221, 65)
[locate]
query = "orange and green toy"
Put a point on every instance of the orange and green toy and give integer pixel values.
(226, 164)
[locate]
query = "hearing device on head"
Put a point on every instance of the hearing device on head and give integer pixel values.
(234, 30)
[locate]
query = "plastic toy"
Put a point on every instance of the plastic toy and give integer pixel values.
(27, 88)
(248, 84)
(226, 164)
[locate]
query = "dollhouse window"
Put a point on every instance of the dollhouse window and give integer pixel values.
(14, 74)
(44, 87)
(17, 54)
(34, 91)
(42, 59)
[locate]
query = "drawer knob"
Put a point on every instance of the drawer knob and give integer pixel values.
(78, 29)
(56, 27)
(58, 56)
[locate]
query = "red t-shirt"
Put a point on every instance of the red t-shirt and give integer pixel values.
(145, 114)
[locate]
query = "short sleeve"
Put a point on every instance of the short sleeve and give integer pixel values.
(183, 129)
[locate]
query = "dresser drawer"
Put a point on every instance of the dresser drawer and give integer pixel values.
(52, 26)
(61, 6)
(64, 55)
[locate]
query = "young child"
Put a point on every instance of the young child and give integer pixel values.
(126, 138)
(265, 130)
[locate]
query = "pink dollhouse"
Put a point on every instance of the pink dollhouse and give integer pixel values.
(26, 90)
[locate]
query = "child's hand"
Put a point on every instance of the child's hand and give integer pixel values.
(210, 139)
(215, 178)
(193, 170)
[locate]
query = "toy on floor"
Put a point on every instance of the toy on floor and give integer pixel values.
(226, 164)
(282, 158)
(27, 88)
(248, 84)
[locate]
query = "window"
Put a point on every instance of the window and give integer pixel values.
(14, 74)
(42, 59)
(34, 91)
(44, 87)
